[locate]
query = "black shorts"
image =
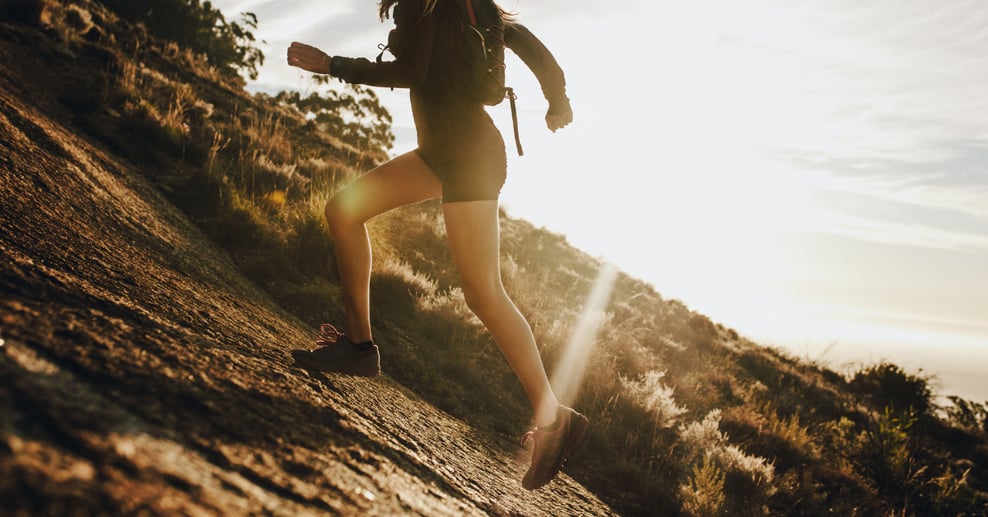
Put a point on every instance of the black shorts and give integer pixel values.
(469, 177)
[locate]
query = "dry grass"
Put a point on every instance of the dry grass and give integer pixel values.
(71, 22)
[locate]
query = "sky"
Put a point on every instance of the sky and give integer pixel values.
(813, 174)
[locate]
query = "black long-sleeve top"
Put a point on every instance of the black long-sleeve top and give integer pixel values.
(423, 63)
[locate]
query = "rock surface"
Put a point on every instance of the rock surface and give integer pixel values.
(140, 372)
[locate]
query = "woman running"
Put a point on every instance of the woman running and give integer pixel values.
(461, 158)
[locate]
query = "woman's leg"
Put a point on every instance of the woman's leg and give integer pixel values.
(401, 181)
(474, 240)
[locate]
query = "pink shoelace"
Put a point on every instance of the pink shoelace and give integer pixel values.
(527, 437)
(328, 335)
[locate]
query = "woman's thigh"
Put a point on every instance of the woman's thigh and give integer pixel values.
(473, 236)
(401, 181)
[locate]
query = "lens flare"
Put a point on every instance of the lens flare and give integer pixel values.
(572, 365)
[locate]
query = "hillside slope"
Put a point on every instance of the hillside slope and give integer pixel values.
(141, 372)
(162, 248)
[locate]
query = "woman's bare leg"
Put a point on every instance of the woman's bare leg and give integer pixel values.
(401, 181)
(474, 239)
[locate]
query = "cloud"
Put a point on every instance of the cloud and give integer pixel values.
(938, 203)
(898, 233)
(917, 213)
(884, 117)
(950, 176)
(890, 77)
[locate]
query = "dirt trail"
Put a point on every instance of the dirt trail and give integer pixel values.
(141, 372)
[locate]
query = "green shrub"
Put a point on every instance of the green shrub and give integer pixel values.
(887, 385)
(972, 416)
(884, 452)
(748, 480)
(703, 494)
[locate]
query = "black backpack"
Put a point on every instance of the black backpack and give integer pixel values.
(482, 51)
(482, 56)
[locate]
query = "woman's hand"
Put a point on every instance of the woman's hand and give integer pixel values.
(309, 58)
(560, 120)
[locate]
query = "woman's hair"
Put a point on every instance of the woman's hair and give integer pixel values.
(384, 9)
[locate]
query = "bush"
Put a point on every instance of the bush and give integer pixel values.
(972, 416)
(748, 480)
(703, 494)
(887, 386)
(654, 398)
(884, 452)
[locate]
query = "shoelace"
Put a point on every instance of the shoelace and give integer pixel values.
(527, 437)
(328, 335)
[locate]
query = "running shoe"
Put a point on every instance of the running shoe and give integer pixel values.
(335, 354)
(552, 445)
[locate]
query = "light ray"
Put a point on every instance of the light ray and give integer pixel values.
(572, 365)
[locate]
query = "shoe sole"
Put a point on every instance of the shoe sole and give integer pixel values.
(304, 361)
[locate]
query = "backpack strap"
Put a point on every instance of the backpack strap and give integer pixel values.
(509, 92)
(514, 119)
(470, 12)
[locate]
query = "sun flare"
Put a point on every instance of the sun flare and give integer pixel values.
(568, 374)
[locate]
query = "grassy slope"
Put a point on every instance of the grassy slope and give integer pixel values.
(688, 416)
(142, 373)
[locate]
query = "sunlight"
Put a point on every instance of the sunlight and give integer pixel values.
(673, 161)
(738, 155)
(572, 365)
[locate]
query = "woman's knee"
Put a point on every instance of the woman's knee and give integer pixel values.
(484, 299)
(341, 212)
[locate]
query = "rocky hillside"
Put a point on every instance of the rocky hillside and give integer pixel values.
(140, 371)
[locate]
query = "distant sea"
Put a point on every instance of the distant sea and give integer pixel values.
(955, 370)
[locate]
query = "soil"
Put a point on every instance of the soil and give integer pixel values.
(140, 372)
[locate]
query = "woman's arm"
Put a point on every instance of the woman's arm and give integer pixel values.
(412, 40)
(548, 72)
(309, 58)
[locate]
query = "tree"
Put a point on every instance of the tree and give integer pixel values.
(354, 114)
(199, 27)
